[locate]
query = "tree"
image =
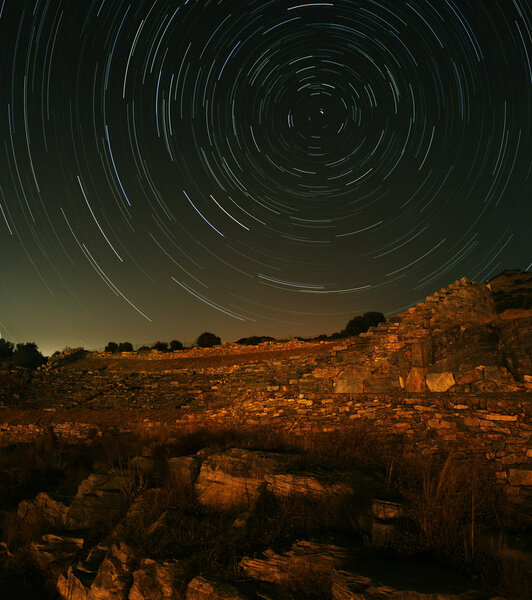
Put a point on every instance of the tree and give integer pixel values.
(175, 345)
(6, 349)
(372, 319)
(111, 347)
(125, 347)
(208, 340)
(255, 340)
(362, 323)
(161, 346)
(143, 349)
(28, 356)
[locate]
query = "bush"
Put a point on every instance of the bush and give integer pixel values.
(28, 356)
(255, 340)
(111, 347)
(208, 340)
(361, 324)
(175, 345)
(143, 349)
(6, 349)
(125, 347)
(161, 346)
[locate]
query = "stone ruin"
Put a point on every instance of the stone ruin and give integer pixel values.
(454, 341)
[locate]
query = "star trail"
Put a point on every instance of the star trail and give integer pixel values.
(262, 167)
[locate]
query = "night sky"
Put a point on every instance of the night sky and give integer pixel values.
(255, 167)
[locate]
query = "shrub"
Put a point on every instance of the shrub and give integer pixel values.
(125, 347)
(208, 340)
(6, 349)
(28, 356)
(111, 347)
(362, 323)
(161, 346)
(143, 349)
(255, 340)
(175, 345)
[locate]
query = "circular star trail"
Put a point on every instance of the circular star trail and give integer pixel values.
(267, 167)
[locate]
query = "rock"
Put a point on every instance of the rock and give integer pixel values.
(159, 580)
(201, 588)
(415, 381)
(43, 508)
(184, 470)
(440, 382)
(520, 477)
(386, 510)
(55, 549)
(99, 501)
(114, 577)
(234, 479)
(70, 587)
(307, 484)
(304, 557)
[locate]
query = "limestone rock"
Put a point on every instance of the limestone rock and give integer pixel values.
(70, 587)
(100, 500)
(304, 557)
(201, 588)
(415, 381)
(440, 382)
(158, 580)
(55, 549)
(43, 508)
(114, 577)
(184, 470)
(235, 478)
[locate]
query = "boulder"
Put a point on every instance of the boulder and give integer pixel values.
(201, 588)
(184, 470)
(43, 508)
(114, 578)
(159, 580)
(99, 501)
(55, 549)
(235, 478)
(303, 559)
(70, 587)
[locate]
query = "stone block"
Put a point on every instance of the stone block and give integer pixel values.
(440, 382)
(415, 382)
(520, 477)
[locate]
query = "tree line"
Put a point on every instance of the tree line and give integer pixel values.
(356, 326)
(25, 355)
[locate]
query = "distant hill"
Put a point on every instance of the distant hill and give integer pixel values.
(511, 289)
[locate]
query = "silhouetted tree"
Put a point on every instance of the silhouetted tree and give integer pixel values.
(6, 349)
(175, 345)
(362, 323)
(143, 349)
(254, 340)
(125, 347)
(111, 347)
(161, 346)
(208, 340)
(28, 356)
